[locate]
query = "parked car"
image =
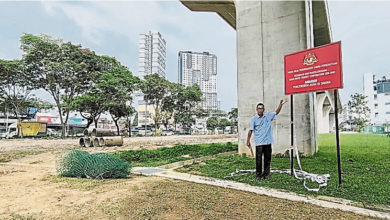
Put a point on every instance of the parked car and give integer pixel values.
(142, 133)
(167, 133)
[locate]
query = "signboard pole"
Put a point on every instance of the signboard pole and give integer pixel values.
(337, 136)
(292, 135)
(315, 70)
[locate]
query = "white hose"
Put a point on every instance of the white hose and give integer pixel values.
(322, 180)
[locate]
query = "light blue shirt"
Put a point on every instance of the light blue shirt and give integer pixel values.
(261, 126)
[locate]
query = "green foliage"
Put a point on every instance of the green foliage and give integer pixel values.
(364, 160)
(155, 88)
(90, 105)
(212, 123)
(223, 123)
(165, 117)
(233, 116)
(14, 89)
(135, 121)
(39, 104)
(201, 113)
(75, 163)
(217, 113)
(118, 86)
(182, 102)
(168, 155)
(110, 91)
(61, 68)
(359, 110)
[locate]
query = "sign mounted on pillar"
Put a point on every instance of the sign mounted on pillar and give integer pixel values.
(312, 70)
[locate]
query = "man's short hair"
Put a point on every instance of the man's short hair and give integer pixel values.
(259, 104)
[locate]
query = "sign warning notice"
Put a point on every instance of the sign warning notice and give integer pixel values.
(312, 70)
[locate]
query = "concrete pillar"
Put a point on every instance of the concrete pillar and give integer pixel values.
(324, 109)
(266, 31)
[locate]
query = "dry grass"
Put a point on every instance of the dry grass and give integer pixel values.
(171, 199)
(7, 156)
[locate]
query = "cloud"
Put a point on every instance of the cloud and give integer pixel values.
(123, 18)
(131, 18)
(181, 28)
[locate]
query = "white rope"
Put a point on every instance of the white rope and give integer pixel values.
(321, 179)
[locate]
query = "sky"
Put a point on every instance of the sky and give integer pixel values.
(112, 28)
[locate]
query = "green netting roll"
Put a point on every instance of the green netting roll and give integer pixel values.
(76, 163)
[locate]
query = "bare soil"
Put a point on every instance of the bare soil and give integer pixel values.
(129, 142)
(30, 189)
(18, 148)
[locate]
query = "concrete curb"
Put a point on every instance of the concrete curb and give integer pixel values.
(148, 171)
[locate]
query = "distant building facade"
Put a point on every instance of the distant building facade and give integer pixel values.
(152, 59)
(152, 54)
(201, 69)
(377, 90)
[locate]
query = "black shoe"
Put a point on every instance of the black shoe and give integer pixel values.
(265, 177)
(259, 178)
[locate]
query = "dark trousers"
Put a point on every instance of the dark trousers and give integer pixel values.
(265, 150)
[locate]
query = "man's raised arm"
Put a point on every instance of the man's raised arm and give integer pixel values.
(284, 100)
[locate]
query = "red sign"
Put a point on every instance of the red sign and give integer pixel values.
(313, 70)
(48, 119)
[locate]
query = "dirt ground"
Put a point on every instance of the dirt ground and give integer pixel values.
(30, 189)
(18, 148)
(129, 143)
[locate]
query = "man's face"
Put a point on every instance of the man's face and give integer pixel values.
(260, 109)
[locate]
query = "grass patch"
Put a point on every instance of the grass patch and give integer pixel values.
(21, 217)
(170, 199)
(7, 156)
(167, 155)
(365, 161)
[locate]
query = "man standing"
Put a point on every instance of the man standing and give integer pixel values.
(261, 125)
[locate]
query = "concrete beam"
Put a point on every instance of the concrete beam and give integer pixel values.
(225, 9)
(321, 24)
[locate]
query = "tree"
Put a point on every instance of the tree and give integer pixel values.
(130, 112)
(359, 110)
(165, 117)
(14, 90)
(187, 120)
(233, 116)
(62, 69)
(218, 113)
(182, 103)
(90, 105)
(212, 123)
(39, 104)
(223, 123)
(155, 89)
(118, 85)
(135, 121)
(201, 113)
(121, 110)
(110, 91)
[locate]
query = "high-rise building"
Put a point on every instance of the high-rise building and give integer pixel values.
(152, 59)
(201, 69)
(377, 91)
(152, 54)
